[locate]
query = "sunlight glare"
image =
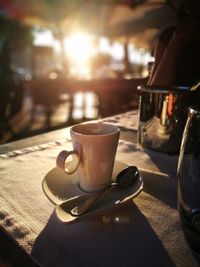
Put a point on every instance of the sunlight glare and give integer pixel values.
(91, 112)
(80, 71)
(46, 38)
(79, 100)
(79, 47)
(104, 45)
(117, 51)
(43, 38)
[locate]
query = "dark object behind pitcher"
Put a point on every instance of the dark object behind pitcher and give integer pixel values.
(162, 116)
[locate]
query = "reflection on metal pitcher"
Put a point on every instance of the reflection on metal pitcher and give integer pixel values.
(163, 114)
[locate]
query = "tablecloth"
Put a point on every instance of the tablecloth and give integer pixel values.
(143, 232)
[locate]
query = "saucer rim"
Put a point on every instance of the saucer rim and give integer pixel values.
(56, 200)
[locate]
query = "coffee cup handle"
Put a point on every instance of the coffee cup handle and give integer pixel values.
(68, 166)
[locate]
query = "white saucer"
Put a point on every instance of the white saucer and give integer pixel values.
(60, 187)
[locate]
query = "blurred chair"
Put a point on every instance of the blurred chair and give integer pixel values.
(49, 94)
(11, 99)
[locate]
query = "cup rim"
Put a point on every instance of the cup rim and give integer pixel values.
(113, 130)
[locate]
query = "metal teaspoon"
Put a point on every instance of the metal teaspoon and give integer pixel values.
(126, 177)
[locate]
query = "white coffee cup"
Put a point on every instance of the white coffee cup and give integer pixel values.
(93, 154)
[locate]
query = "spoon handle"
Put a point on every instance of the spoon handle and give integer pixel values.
(83, 207)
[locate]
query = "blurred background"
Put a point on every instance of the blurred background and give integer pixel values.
(64, 62)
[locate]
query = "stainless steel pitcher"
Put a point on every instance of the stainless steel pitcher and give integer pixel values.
(162, 116)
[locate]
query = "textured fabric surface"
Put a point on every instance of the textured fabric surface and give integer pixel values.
(143, 232)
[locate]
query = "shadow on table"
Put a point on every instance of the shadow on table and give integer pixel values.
(158, 171)
(149, 159)
(121, 237)
(161, 186)
(166, 163)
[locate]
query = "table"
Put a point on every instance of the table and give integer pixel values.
(124, 91)
(143, 232)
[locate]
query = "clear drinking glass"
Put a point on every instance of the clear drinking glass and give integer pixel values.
(188, 181)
